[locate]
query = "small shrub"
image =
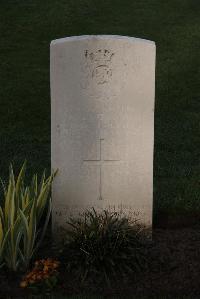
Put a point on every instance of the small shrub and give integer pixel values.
(43, 277)
(103, 245)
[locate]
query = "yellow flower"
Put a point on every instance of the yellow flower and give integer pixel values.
(23, 284)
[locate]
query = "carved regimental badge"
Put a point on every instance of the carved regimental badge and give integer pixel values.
(99, 65)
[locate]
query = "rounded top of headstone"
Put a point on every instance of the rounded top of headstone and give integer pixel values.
(101, 37)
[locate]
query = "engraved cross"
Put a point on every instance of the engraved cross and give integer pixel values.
(100, 162)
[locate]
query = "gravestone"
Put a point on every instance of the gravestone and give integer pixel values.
(102, 126)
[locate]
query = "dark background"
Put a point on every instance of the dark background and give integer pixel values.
(26, 29)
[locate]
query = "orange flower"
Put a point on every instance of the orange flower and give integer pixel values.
(39, 277)
(46, 268)
(43, 269)
(29, 275)
(34, 276)
(55, 265)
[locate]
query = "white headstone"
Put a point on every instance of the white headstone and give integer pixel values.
(102, 126)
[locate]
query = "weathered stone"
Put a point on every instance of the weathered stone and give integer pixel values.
(102, 134)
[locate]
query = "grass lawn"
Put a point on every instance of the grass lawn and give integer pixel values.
(116, 297)
(26, 29)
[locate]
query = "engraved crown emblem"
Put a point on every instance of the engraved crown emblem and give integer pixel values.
(101, 56)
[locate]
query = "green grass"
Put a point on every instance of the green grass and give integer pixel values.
(115, 297)
(26, 29)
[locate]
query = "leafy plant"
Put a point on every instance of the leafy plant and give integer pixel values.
(20, 215)
(103, 244)
(3, 238)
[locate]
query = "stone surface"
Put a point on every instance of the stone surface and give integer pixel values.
(102, 125)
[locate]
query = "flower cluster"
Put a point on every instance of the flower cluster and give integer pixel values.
(43, 270)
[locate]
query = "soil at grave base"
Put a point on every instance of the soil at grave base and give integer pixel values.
(174, 268)
(178, 220)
